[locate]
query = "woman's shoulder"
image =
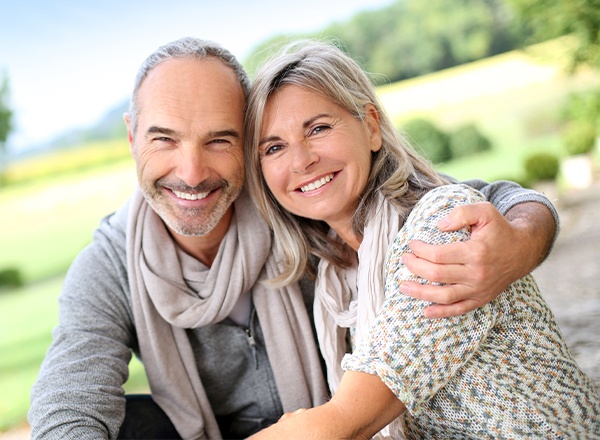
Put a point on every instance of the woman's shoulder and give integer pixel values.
(455, 192)
(438, 203)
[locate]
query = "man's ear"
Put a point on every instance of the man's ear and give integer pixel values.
(372, 121)
(127, 120)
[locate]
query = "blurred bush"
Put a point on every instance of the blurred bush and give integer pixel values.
(541, 167)
(468, 140)
(579, 137)
(426, 137)
(10, 277)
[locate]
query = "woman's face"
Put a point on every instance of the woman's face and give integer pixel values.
(316, 156)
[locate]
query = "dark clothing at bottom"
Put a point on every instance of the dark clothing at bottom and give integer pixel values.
(144, 419)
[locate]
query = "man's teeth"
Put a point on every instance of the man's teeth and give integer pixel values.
(317, 183)
(188, 196)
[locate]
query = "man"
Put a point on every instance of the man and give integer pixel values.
(175, 276)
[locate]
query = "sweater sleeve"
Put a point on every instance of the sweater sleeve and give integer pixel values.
(79, 393)
(414, 356)
(504, 195)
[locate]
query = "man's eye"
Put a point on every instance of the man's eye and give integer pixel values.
(163, 139)
(219, 143)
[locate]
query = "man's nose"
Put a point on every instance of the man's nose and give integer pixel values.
(193, 166)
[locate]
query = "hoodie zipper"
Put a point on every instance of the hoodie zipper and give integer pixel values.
(251, 340)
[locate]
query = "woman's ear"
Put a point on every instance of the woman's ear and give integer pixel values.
(372, 121)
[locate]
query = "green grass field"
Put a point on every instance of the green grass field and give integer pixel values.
(46, 222)
(514, 98)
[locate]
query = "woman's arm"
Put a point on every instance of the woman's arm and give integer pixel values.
(405, 359)
(360, 408)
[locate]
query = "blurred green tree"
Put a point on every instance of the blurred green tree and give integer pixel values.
(553, 18)
(409, 38)
(5, 120)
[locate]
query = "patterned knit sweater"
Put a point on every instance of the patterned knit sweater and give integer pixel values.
(501, 371)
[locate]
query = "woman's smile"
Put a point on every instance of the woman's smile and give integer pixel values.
(317, 183)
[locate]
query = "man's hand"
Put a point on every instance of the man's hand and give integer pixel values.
(500, 251)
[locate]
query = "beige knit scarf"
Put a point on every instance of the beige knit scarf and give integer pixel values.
(172, 291)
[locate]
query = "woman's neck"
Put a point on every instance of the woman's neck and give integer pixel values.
(347, 235)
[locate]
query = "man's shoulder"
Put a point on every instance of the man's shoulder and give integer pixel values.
(112, 229)
(105, 256)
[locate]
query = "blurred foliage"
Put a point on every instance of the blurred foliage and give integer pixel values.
(5, 120)
(541, 167)
(467, 140)
(410, 38)
(583, 106)
(5, 111)
(579, 137)
(441, 146)
(10, 277)
(546, 19)
(428, 138)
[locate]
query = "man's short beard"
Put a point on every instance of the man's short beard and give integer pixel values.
(198, 229)
(193, 222)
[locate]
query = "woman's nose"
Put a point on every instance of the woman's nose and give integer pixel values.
(303, 156)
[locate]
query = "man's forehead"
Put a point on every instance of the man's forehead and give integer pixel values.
(194, 84)
(209, 72)
(191, 96)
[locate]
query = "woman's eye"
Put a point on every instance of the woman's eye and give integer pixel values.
(272, 149)
(320, 129)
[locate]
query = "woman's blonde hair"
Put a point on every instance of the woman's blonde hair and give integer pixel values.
(396, 170)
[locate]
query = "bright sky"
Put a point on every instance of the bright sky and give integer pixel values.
(70, 61)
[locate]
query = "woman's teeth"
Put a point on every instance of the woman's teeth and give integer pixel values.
(317, 183)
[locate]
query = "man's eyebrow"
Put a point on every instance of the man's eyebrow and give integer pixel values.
(225, 133)
(154, 129)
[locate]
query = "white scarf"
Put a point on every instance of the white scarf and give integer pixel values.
(172, 291)
(340, 303)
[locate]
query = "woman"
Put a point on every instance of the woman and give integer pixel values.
(335, 181)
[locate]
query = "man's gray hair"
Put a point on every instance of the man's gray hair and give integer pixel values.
(188, 47)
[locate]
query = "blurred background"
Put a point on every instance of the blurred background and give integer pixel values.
(494, 89)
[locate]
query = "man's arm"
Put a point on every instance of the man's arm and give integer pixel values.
(78, 393)
(502, 249)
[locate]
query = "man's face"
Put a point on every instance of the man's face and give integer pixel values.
(188, 145)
